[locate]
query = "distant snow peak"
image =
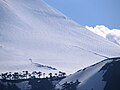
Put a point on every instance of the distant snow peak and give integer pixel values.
(112, 35)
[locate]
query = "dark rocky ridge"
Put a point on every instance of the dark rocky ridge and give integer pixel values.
(112, 74)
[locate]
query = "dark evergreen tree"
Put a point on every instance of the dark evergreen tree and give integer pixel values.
(70, 86)
(8, 87)
(43, 84)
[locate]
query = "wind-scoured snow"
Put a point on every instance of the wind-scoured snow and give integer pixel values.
(33, 29)
(112, 35)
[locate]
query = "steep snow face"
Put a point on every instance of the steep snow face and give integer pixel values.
(101, 76)
(112, 35)
(31, 29)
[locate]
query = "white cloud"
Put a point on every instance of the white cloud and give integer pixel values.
(112, 35)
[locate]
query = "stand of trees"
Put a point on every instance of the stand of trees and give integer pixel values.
(27, 75)
(70, 86)
(36, 81)
(8, 86)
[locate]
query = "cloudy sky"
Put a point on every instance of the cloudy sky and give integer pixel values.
(90, 12)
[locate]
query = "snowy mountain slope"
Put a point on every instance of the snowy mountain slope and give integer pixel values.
(31, 29)
(112, 35)
(101, 76)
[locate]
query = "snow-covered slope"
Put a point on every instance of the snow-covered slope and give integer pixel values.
(31, 29)
(104, 75)
(111, 35)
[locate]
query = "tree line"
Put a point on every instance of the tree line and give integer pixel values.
(28, 75)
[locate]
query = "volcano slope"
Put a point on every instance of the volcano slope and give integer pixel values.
(33, 30)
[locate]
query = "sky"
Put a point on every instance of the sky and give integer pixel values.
(90, 12)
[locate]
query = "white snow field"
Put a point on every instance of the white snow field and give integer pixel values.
(112, 35)
(33, 30)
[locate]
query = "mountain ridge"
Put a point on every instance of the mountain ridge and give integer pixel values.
(103, 75)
